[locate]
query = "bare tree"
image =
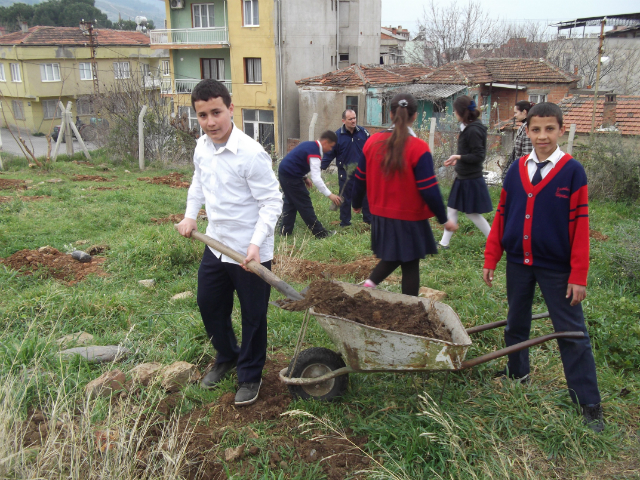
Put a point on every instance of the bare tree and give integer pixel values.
(517, 40)
(625, 76)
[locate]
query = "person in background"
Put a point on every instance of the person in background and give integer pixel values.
(397, 174)
(521, 144)
(469, 193)
(302, 160)
(347, 151)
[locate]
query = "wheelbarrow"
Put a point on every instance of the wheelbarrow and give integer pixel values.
(323, 374)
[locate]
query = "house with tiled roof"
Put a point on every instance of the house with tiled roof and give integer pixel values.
(498, 83)
(614, 113)
(366, 89)
(40, 66)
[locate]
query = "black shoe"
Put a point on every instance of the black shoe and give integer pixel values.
(502, 375)
(248, 393)
(217, 373)
(326, 234)
(343, 225)
(592, 415)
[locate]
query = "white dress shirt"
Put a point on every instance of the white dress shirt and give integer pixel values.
(316, 177)
(532, 160)
(240, 192)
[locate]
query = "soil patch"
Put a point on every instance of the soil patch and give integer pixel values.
(331, 299)
(174, 180)
(177, 218)
(53, 263)
(24, 199)
(300, 270)
(596, 235)
(11, 184)
(97, 249)
(90, 178)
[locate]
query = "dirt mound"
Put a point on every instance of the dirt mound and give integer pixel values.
(177, 218)
(97, 249)
(174, 180)
(90, 178)
(330, 299)
(300, 270)
(11, 184)
(53, 263)
(24, 199)
(596, 235)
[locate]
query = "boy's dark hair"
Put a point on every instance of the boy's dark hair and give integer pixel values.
(329, 135)
(545, 109)
(466, 108)
(208, 89)
(524, 105)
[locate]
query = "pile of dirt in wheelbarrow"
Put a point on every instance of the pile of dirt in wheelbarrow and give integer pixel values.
(11, 184)
(48, 262)
(90, 178)
(174, 180)
(330, 298)
(301, 270)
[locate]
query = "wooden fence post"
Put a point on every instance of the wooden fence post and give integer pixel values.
(69, 134)
(141, 137)
(1, 166)
(572, 134)
(63, 128)
(312, 127)
(432, 134)
(80, 140)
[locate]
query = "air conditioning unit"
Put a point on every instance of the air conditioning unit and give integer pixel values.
(177, 4)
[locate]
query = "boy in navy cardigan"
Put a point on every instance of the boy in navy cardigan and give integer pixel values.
(542, 222)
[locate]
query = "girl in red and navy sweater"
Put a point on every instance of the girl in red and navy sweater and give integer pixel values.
(397, 175)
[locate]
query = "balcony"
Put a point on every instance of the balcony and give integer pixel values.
(189, 37)
(186, 86)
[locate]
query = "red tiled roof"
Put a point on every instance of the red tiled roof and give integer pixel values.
(360, 75)
(579, 110)
(73, 36)
(505, 70)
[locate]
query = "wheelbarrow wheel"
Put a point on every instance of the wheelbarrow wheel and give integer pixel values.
(315, 362)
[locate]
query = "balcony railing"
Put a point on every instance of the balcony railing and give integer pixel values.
(186, 86)
(190, 36)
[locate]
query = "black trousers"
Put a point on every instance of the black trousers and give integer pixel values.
(217, 281)
(410, 274)
(345, 208)
(577, 356)
(298, 200)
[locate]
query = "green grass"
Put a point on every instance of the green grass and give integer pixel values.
(480, 428)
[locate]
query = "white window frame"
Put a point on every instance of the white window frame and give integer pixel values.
(15, 72)
(121, 70)
(199, 17)
(50, 72)
(49, 106)
(253, 75)
(20, 109)
(2, 77)
(537, 98)
(251, 13)
(256, 122)
(191, 115)
(86, 68)
(166, 68)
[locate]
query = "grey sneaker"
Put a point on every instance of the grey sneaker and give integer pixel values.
(248, 393)
(217, 373)
(592, 415)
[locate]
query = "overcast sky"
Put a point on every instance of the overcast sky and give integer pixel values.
(405, 12)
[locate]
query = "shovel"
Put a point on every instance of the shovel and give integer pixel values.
(264, 273)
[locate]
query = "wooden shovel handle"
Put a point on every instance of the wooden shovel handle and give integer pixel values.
(264, 273)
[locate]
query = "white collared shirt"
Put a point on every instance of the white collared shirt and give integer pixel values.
(532, 160)
(240, 192)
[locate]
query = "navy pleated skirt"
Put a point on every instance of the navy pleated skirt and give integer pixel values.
(395, 240)
(470, 196)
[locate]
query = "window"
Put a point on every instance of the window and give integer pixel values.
(258, 124)
(213, 68)
(121, 69)
(344, 57)
(145, 71)
(50, 72)
(2, 77)
(189, 115)
(352, 104)
(18, 107)
(85, 106)
(51, 109)
(86, 72)
(253, 70)
(251, 18)
(537, 98)
(202, 15)
(166, 71)
(15, 72)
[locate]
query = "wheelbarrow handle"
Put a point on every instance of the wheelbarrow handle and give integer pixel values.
(517, 347)
(501, 323)
(264, 273)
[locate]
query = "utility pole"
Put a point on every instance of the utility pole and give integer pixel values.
(87, 29)
(595, 93)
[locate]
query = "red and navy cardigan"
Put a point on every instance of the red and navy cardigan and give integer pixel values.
(412, 194)
(544, 226)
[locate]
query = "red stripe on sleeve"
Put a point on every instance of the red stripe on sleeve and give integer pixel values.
(579, 236)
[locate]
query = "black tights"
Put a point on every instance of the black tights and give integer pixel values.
(410, 274)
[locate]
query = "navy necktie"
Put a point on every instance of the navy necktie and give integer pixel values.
(537, 177)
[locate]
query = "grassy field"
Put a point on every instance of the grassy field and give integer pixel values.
(396, 423)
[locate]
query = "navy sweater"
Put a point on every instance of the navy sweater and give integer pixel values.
(297, 162)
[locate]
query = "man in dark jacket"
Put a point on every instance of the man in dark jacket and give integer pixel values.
(348, 152)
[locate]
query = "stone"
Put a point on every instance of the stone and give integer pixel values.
(54, 180)
(47, 249)
(81, 242)
(28, 182)
(178, 375)
(233, 454)
(78, 338)
(144, 373)
(251, 433)
(127, 171)
(97, 249)
(147, 283)
(99, 354)
(435, 295)
(106, 384)
(81, 256)
(182, 296)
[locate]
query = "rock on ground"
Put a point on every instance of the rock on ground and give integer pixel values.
(147, 283)
(99, 354)
(145, 372)
(435, 295)
(182, 296)
(81, 256)
(106, 384)
(78, 338)
(233, 454)
(178, 375)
